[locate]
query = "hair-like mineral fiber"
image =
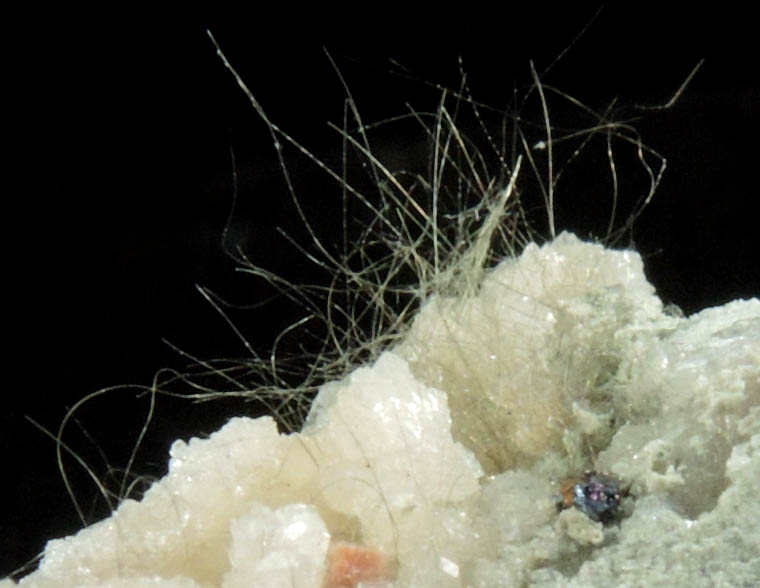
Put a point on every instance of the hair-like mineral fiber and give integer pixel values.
(423, 236)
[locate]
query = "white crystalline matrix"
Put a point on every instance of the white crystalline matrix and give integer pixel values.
(388, 458)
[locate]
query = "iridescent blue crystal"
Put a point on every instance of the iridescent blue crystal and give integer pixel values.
(597, 496)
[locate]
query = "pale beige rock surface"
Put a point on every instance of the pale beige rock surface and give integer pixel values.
(446, 454)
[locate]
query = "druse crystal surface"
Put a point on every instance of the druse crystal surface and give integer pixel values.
(446, 454)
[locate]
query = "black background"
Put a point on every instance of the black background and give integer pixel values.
(120, 182)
